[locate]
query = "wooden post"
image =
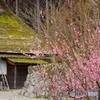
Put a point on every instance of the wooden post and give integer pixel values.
(15, 76)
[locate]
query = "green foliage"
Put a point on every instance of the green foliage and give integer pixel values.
(46, 97)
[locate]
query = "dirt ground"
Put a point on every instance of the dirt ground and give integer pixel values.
(13, 95)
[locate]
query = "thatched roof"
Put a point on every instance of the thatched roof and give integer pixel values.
(15, 35)
(21, 58)
(17, 38)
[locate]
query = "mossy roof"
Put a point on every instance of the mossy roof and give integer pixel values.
(28, 61)
(21, 58)
(15, 35)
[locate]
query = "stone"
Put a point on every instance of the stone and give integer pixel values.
(32, 82)
(28, 77)
(30, 69)
(26, 84)
(23, 91)
(30, 88)
(32, 95)
(27, 94)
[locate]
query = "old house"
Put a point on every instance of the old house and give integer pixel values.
(16, 41)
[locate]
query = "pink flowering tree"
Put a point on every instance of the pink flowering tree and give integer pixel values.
(72, 33)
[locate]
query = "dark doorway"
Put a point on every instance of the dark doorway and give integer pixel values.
(21, 73)
(21, 76)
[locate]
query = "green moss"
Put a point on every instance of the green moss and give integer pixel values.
(14, 33)
(30, 61)
(7, 21)
(13, 26)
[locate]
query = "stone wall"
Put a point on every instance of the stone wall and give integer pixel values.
(34, 84)
(38, 80)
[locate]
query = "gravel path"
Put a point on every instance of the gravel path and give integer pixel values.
(13, 95)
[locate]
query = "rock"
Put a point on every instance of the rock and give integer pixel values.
(32, 82)
(27, 94)
(30, 69)
(30, 89)
(26, 84)
(23, 91)
(32, 95)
